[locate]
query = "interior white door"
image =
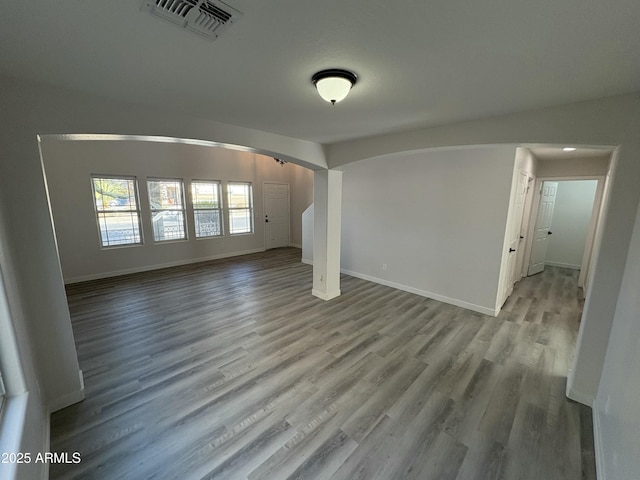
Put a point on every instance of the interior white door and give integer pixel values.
(514, 234)
(543, 227)
(276, 214)
(522, 261)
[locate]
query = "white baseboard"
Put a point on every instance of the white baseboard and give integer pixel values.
(579, 397)
(597, 442)
(69, 398)
(563, 265)
(66, 400)
(307, 261)
(325, 296)
(157, 266)
(424, 293)
(296, 245)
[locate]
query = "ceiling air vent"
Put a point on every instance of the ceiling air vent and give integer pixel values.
(208, 18)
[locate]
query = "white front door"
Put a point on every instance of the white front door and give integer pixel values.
(543, 227)
(276, 215)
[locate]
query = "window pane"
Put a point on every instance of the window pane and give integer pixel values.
(117, 210)
(115, 193)
(206, 208)
(205, 195)
(207, 223)
(165, 194)
(119, 228)
(240, 221)
(168, 225)
(239, 195)
(167, 209)
(240, 208)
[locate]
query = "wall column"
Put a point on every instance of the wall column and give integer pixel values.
(327, 200)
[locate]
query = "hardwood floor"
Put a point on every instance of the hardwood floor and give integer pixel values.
(231, 369)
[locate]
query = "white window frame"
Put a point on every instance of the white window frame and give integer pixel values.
(196, 209)
(135, 210)
(249, 209)
(183, 209)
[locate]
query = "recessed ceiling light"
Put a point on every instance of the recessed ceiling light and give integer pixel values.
(569, 149)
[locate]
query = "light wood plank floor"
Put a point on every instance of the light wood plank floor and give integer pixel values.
(231, 369)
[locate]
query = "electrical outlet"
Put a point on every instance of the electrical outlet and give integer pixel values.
(384, 267)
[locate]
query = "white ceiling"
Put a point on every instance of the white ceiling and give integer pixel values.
(419, 63)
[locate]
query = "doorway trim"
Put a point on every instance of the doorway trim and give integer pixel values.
(594, 223)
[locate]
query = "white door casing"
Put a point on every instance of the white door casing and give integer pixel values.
(276, 214)
(543, 227)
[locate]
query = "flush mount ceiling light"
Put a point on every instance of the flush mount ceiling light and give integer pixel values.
(569, 149)
(333, 85)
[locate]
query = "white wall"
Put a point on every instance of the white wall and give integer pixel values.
(435, 218)
(572, 167)
(301, 199)
(70, 164)
(570, 223)
(527, 162)
(616, 413)
(307, 235)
